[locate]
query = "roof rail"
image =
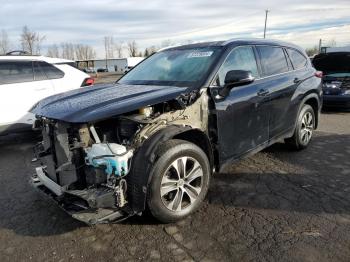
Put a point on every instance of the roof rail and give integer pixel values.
(18, 52)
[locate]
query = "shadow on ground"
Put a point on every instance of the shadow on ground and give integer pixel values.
(315, 180)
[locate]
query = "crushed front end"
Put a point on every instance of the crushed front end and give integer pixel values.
(88, 168)
(84, 173)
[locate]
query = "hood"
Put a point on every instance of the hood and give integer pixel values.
(330, 63)
(99, 102)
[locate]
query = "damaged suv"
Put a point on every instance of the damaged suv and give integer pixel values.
(153, 139)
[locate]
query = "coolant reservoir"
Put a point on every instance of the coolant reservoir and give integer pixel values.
(113, 157)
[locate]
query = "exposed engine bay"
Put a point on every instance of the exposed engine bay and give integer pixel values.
(86, 167)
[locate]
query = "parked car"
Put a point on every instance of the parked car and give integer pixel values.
(102, 70)
(336, 78)
(89, 70)
(24, 80)
(153, 139)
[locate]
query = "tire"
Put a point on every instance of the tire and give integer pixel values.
(303, 130)
(170, 182)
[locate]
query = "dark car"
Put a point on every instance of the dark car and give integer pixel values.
(336, 78)
(153, 139)
(102, 70)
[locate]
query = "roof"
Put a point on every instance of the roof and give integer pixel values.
(35, 58)
(236, 41)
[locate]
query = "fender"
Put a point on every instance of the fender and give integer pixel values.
(139, 177)
(319, 105)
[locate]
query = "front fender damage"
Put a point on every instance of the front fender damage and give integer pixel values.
(101, 169)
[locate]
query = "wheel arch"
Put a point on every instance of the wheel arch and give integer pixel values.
(312, 100)
(140, 175)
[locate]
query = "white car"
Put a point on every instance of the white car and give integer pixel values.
(25, 80)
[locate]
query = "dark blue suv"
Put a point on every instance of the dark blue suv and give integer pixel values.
(152, 139)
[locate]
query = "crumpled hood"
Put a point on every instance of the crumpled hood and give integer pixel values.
(102, 101)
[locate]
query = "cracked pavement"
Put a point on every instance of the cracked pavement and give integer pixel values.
(277, 205)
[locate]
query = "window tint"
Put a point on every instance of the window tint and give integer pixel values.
(241, 58)
(38, 71)
(50, 71)
(273, 60)
(15, 72)
(298, 60)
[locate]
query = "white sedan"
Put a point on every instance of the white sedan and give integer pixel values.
(25, 80)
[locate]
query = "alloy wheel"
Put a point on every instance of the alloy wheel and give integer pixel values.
(307, 126)
(181, 184)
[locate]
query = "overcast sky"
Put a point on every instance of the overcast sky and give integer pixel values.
(150, 22)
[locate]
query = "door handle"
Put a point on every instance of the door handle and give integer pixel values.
(263, 92)
(296, 80)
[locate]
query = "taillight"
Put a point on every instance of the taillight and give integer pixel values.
(88, 82)
(319, 74)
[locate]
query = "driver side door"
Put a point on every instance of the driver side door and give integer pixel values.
(242, 116)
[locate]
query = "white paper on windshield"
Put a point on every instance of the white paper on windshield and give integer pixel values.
(200, 54)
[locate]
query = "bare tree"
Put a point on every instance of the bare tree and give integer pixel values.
(84, 52)
(119, 47)
(109, 46)
(167, 43)
(132, 48)
(53, 51)
(4, 42)
(31, 41)
(150, 51)
(68, 51)
(312, 51)
(332, 43)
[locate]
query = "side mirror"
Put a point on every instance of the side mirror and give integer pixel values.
(236, 78)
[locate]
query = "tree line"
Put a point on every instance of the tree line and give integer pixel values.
(31, 42)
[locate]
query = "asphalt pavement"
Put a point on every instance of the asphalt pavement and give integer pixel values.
(277, 205)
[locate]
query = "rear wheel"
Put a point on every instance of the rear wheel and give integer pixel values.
(180, 181)
(304, 128)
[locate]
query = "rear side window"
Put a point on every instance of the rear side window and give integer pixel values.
(240, 58)
(39, 73)
(273, 60)
(50, 71)
(298, 60)
(16, 72)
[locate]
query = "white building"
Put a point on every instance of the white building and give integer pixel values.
(335, 49)
(118, 65)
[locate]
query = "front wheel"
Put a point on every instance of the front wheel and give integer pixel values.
(304, 128)
(180, 181)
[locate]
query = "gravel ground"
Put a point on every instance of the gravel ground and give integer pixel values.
(275, 206)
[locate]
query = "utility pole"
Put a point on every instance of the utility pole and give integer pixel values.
(266, 12)
(319, 45)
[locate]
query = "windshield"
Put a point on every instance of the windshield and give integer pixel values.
(186, 67)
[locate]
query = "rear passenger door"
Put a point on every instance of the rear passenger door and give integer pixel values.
(19, 91)
(279, 80)
(48, 75)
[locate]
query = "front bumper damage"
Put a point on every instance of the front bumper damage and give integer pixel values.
(77, 202)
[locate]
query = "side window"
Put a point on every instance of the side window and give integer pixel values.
(50, 71)
(240, 58)
(39, 73)
(15, 72)
(298, 60)
(273, 60)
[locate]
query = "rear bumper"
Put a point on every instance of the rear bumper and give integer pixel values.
(72, 204)
(336, 101)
